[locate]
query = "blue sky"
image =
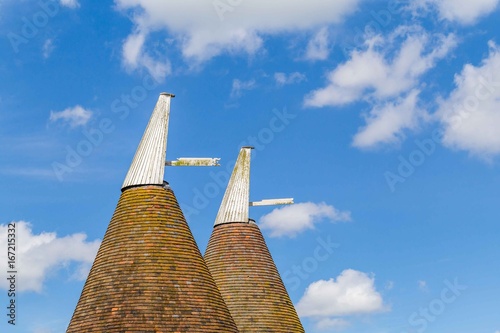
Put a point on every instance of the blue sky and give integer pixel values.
(380, 118)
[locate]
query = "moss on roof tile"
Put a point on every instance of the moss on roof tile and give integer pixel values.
(242, 266)
(149, 275)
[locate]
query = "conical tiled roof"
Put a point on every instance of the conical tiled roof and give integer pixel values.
(149, 275)
(242, 266)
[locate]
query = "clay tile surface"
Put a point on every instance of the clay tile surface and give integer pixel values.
(240, 262)
(149, 275)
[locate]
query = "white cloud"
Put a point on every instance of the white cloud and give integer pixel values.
(70, 3)
(463, 11)
(471, 114)
(284, 79)
(291, 220)
(389, 285)
(40, 255)
(318, 48)
(48, 47)
(386, 123)
(239, 86)
(132, 49)
(74, 116)
(381, 72)
(134, 57)
(209, 28)
(422, 285)
(336, 324)
(351, 293)
(386, 74)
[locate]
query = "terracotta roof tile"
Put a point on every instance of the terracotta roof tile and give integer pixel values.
(149, 275)
(242, 266)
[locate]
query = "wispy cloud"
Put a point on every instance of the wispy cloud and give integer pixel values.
(381, 72)
(48, 47)
(318, 47)
(386, 75)
(389, 285)
(135, 56)
(336, 324)
(74, 116)
(239, 86)
(292, 220)
(422, 285)
(284, 79)
(70, 3)
(386, 122)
